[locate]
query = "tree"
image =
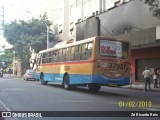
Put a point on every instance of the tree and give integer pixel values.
(154, 7)
(6, 58)
(24, 35)
(33, 31)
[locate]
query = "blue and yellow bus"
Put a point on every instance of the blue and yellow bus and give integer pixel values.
(92, 62)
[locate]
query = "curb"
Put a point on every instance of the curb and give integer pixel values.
(141, 88)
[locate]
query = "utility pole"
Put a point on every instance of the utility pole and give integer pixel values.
(47, 32)
(14, 62)
(47, 36)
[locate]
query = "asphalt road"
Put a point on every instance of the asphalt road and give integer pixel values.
(19, 95)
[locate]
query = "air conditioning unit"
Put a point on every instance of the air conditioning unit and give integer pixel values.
(71, 28)
(93, 14)
(60, 30)
(79, 20)
(85, 17)
(97, 12)
(118, 3)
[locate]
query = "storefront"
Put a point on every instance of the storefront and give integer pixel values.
(142, 58)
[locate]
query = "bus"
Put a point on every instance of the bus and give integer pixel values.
(93, 62)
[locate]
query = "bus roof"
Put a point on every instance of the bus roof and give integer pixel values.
(69, 43)
(62, 45)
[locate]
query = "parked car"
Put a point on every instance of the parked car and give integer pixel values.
(30, 74)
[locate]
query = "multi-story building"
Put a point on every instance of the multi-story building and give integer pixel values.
(2, 9)
(126, 19)
(1, 16)
(61, 19)
(68, 13)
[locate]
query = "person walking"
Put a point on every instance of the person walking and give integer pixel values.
(131, 79)
(1, 73)
(158, 75)
(155, 78)
(10, 71)
(147, 76)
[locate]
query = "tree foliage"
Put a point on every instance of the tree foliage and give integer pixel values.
(31, 33)
(154, 7)
(6, 58)
(24, 35)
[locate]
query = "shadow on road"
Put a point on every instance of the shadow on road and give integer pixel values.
(86, 91)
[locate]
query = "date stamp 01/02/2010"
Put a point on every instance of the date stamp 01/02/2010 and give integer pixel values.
(135, 104)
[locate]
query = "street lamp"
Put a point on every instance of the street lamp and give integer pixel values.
(14, 60)
(47, 32)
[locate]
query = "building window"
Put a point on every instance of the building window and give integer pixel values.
(60, 13)
(78, 3)
(56, 29)
(71, 9)
(85, 1)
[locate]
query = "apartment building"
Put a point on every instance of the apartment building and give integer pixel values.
(126, 19)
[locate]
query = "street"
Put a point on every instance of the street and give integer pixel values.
(19, 95)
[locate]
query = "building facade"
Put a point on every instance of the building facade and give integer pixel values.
(61, 19)
(125, 19)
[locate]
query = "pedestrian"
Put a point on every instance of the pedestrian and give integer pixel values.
(9, 71)
(155, 78)
(158, 74)
(147, 76)
(1, 73)
(131, 79)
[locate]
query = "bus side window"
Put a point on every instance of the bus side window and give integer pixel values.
(89, 52)
(72, 53)
(83, 52)
(77, 52)
(64, 55)
(49, 57)
(86, 51)
(44, 58)
(54, 56)
(68, 54)
(60, 55)
(47, 54)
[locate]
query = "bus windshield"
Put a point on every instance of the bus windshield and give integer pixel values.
(115, 49)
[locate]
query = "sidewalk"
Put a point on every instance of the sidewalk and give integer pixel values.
(11, 76)
(141, 86)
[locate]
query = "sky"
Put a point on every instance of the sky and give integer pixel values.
(17, 9)
(23, 9)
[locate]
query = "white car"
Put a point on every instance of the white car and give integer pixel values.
(30, 74)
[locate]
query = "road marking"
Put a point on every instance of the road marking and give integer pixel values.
(75, 101)
(3, 107)
(14, 89)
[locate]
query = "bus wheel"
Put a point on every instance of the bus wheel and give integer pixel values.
(94, 87)
(42, 80)
(66, 80)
